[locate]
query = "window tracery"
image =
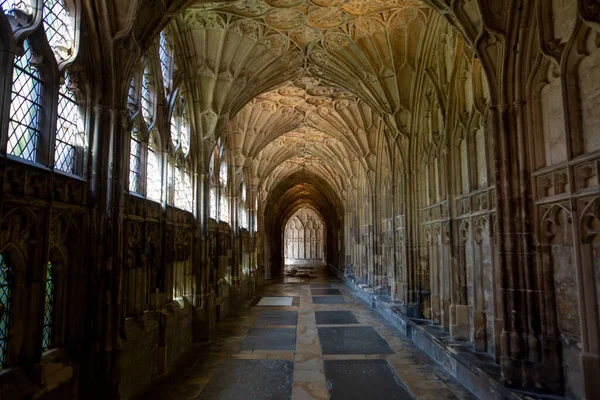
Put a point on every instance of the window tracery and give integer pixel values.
(59, 29)
(147, 103)
(32, 95)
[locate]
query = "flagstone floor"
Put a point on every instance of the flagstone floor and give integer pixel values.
(306, 338)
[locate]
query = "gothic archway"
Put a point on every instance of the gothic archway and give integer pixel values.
(304, 238)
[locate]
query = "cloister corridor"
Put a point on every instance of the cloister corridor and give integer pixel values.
(326, 344)
(299, 199)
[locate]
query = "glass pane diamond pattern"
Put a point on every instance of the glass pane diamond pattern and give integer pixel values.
(5, 286)
(135, 157)
(147, 106)
(25, 108)
(69, 130)
(153, 178)
(57, 24)
(165, 59)
(48, 308)
(9, 5)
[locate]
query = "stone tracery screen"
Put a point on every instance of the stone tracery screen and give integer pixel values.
(304, 237)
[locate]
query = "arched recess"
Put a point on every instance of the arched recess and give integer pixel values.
(304, 236)
(299, 190)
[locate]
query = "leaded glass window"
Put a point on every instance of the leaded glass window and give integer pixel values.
(147, 93)
(171, 171)
(212, 207)
(69, 130)
(131, 96)
(135, 160)
(59, 29)
(184, 190)
(49, 307)
(184, 131)
(224, 206)
(5, 297)
(25, 108)
(166, 59)
(175, 128)
(9, 5)
(153, 176)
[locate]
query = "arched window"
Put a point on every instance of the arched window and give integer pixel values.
(153, 175)
(180, 132)
(147, 99)
(183, 196)
(70, 131)
(213, 184)
(166, 60)
(49, 306)
(145, 171)
(224, 198)
(243, 210)
(25, 109)
(135, 160)
(30, 136)
(59, 28)
(184, 189)
(5, 298)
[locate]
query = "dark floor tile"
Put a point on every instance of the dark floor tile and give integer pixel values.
(276, 318)
(363, 379)
(326, 292)
(269, 339)
(353, 340)
(335, 318)
(320, 286)
(251, 379)
(329, 300)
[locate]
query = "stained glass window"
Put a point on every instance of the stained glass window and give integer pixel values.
(5, 297)
(153, 176)
(25, 108)
(166, 59)
(69, 130)
(135, 159)
(49, 307)
(147, 104)
(58, 27)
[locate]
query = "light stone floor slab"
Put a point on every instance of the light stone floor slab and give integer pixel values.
(222, 367)
(275, 302)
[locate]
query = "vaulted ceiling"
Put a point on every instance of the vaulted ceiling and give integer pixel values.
(304, 85)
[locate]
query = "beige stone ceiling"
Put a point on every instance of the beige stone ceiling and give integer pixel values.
(309, 85)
